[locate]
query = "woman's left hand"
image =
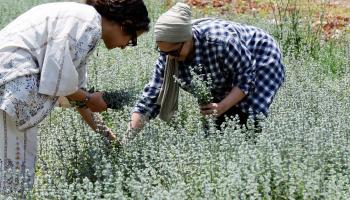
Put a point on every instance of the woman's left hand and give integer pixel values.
(214, 109)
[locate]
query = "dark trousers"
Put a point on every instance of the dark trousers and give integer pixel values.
(242, 120)
(231, 113)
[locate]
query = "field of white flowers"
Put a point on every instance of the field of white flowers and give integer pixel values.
(302, 153)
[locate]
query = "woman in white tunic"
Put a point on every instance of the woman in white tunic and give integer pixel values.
(43, 55)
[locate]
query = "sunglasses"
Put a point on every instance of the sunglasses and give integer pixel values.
(174, 53)
(133, 41)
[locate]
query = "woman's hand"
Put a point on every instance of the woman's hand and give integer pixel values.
(214, 109)
(217, 109)
(111, 136)
(96, 102)
(134, 127)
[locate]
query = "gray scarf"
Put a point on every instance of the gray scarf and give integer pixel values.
(169, 93)
(173, 26)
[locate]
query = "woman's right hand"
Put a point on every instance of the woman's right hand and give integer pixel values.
(111, 136)
(96, 102)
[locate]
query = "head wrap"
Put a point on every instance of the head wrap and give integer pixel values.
(174, 25)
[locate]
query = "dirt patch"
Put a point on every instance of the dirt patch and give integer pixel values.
(332, 26)
(342, 3)
(341, 7)
(332, 17)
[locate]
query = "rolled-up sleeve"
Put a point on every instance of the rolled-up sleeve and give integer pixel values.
(239, 60)
(147, 104)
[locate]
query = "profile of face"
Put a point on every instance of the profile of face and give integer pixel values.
(180, 51)
(115, 35)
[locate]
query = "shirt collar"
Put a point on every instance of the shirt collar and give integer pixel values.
(197, 57)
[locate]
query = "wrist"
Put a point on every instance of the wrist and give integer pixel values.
(133, 128)
(87, 98)
(224, 106)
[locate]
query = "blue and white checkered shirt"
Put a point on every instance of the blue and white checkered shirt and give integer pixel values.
(233, 55)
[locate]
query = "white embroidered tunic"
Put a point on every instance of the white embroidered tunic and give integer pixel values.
(43, 55)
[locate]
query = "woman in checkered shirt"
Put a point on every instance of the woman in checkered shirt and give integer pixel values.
(243, 62)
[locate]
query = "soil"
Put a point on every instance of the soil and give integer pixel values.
(344, 3)
(335, 20)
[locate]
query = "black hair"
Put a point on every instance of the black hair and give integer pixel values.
(131, 14)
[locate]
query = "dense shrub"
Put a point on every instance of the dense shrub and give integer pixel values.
(302, 153)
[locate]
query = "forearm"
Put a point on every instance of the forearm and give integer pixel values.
(79, 95)
(136, 124)
(137, 121)
(95, 121)
(86, 114)
(234, 97)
